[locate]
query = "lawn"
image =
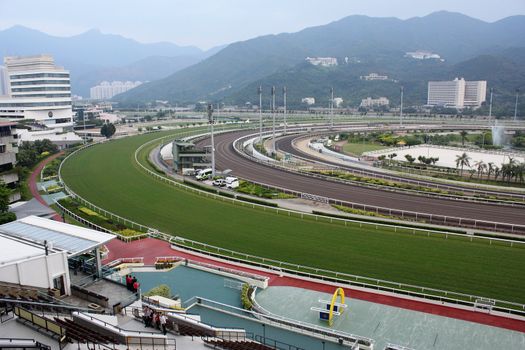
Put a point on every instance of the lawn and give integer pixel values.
(107, 176)
(359, 148)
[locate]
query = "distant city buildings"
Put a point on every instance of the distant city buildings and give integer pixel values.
(322, 61)
(370, 102)
(457, 93)
(107, 90)
(308, 100)
(374, 76)
(423, 55)
(36, 89)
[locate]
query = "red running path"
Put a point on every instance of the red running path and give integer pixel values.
(35, 175)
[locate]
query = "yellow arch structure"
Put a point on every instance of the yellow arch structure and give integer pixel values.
(338, 292)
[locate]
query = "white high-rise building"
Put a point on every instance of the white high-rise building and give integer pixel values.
(370, 102)
(3, 81)
(37, 90)
(107, 90)
(475, 93)
(457, 93)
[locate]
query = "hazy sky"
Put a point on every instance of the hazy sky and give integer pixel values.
(206, 23)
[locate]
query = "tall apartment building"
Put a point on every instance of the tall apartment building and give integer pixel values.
(457, 93)
(37, 90)
(107, 90)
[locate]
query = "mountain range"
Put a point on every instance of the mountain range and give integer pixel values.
(93, 56)
(470, 47)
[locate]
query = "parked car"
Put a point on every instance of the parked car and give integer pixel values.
(232, 182)
(204, 174)
(219, 182)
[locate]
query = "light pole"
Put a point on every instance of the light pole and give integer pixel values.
(401, 108)
(331, 108)
(284, 97)
(210, 120)
(259, 91)
(84, 120)
(273, 119)
(490, 105)
(516, 105)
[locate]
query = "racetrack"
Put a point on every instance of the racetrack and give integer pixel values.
(227, 158)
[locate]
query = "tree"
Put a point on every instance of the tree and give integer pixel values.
(409, 158)
(5, 192)
(463, 134)
(107, 130)
(392, 156)
(490, 168)
(462, 161)
(480, 166)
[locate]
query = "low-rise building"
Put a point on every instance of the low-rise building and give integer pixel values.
(373, 76)
(8, 151)
(370, 102)
(423, 55)
(308, 100)
(322, 61)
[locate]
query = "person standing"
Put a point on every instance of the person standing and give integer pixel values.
(163, 321)
(136, 286)
(128, 282)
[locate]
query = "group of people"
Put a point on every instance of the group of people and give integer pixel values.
(154, 319)
(132, 284)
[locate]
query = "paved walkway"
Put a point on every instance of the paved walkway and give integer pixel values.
(35, 176)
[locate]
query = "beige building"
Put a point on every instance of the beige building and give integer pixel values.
(457, 93)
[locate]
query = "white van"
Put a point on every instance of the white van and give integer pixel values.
(204, 174)
(188, 171)
(232, 182)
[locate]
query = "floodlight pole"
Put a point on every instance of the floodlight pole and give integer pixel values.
(490, 105)
(259, 91)
(331, 108)
(84, 120)
(284, 96)
(401, 108)
(210, 120)
(516, 105)
(273, 119)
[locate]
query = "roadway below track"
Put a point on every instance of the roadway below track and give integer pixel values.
(227, 158)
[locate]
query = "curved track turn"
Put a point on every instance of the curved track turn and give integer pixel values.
(227, 158)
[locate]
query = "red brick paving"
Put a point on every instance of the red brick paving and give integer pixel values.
(35, 176)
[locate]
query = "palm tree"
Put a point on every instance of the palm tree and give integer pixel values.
(480, 166)
(461, 161)
(463, 134)
(491, 168)
(497, 172)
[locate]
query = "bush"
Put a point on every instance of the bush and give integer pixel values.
(7, 217)
(161, 290)
(257, 201)
(245, 296)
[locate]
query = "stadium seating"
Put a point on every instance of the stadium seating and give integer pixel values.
(83, 334)
(237, 345)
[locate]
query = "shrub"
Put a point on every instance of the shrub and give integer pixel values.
(245, 296)
(7, 217)
(161, 290)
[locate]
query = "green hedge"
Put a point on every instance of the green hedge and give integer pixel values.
(245, 296)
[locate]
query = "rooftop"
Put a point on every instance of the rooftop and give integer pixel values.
(73, 239)
(15, 250)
